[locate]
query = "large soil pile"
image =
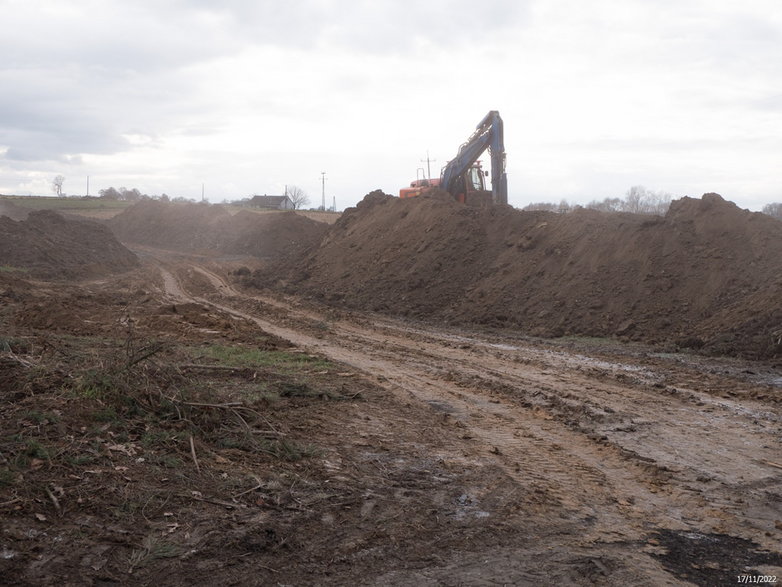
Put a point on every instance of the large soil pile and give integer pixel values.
(8, 208)
(48, 245)
(193, 227)
(705, 275)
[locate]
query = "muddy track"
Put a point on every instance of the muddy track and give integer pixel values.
(618, 445)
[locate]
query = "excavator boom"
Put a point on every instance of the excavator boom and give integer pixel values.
(488, 135)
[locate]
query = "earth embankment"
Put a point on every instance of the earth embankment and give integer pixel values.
(707, 275)
(201, 227)
(50, 246)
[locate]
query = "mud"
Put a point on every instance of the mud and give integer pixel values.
(705, 276)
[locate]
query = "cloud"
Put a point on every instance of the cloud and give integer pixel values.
(152, 67)
(242, 92)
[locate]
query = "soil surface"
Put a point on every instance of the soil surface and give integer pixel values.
(46, 244)
(705, 276)
(173, 424)
(14, 212)
(191, 227)
(439, 456)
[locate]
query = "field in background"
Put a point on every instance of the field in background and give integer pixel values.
(92, 207)
(104, 209)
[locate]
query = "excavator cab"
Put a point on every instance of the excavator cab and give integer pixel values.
(475, 177)
(473, 187)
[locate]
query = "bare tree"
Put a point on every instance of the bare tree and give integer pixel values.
(639, 200)
(606, 205)
(774, 209)
(298, 196)
(541, 206)
(57, 185)
(109, 194)
(634, 198)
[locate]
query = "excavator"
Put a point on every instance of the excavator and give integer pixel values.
(463, 176)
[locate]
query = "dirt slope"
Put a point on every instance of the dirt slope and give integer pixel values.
(705, 275)
(196, 227)
(13, 211)
(48, 245)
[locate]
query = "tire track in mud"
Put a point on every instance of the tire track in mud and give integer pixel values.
(595, 439)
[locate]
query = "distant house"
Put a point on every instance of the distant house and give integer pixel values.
(272, 202)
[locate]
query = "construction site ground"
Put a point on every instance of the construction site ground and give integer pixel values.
(170, 426)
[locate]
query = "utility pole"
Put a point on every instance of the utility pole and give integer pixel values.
(323, 190)
(88, 186)
(428, 167)
(202, 192)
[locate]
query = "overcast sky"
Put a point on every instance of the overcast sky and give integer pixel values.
(246, 96)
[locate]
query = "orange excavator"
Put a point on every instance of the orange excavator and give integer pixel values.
(463, 176)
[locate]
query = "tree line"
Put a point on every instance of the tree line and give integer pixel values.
(637, 200)
(774, 209)
(134, 195)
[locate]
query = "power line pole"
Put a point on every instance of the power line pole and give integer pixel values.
(428, 166)
(323, 190)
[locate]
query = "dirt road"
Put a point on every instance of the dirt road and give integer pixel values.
(624, 464)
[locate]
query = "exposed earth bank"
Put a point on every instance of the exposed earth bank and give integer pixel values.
(48, 245)
(200, 227)
(705, 276)
(167, 425)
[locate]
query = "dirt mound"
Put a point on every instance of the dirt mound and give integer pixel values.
(13, 211)
(271, 235)
(175, 225)
(194, 227)
(705, 275)
(48, 245)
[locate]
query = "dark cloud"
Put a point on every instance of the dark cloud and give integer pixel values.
(55, 115)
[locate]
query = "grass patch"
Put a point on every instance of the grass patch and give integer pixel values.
(6, 477)
(55, 203)
(12, 269)
(107, 414)
(35, 449)
(152, 548)
(161, 437)
(284, 449)
(235, 356)
(29, 451)
(81, 460)
(38, 417)
(132, 401)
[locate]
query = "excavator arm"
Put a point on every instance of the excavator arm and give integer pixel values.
(488, 135)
